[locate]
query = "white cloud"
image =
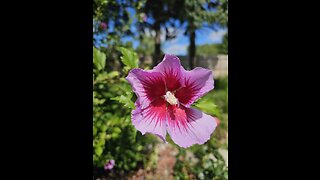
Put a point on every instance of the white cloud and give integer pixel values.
(171, 41)
(171, 46)
(162, 35)
(175, 46)
(171, 30)
(149, 32)
(152, 33)
(216, 36)
(177, 49)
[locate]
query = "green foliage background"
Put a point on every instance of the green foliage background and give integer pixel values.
(114, 137)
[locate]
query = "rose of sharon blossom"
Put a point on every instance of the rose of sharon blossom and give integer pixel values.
(144, 18)
(164, 96)
(103, 25)
(109, 165)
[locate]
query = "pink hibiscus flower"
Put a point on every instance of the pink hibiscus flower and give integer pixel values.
(103, 25)
(109, 165)
(164, 96)
(144, 18)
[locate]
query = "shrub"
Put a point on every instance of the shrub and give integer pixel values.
(114, 137)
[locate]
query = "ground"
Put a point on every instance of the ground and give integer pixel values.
(164, 169)
(166, 160)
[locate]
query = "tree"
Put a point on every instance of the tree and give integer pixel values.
(224, 45)
(146, 46)
(161, 12)
(117, 23)
(200, 13)
(208, 50)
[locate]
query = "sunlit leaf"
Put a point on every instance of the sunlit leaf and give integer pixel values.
(99, 59)
(129, 58)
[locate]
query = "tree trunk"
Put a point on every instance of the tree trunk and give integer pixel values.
(157, 49)
(192, 48)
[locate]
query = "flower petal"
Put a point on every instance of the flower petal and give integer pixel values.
(170, 67)
(151, 119)
(147, 85)
(196, 83)
(188, 126)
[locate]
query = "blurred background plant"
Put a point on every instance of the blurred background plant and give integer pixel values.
(114, 138)
(124, 33)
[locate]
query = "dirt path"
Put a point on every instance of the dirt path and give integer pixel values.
(165, 164)
(164, 170)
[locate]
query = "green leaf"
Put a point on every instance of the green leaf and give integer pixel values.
(94, 130)
(101, 77)
(98, 151)
(113, 74)
(104, 128)
(99, 59)
(207, 106)
(134, 133)
(129, 58)
(117, 130)
(105, 76)
(126, 100)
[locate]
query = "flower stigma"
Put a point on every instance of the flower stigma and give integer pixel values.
(170, 98)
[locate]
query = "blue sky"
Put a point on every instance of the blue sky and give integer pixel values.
(179, 45)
